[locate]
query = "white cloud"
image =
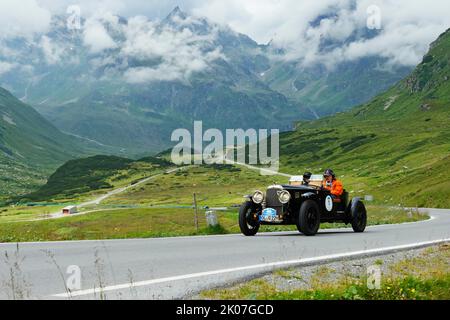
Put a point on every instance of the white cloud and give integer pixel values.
(408, 27)
(175, 54)
(403, 40)
(95, 35)
(6, 67)
(22, 18)
(52, 51)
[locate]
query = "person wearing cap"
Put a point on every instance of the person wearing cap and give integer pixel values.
(307, 178)
(331, 184)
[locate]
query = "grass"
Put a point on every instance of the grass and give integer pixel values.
(215, 185)
(426, 277)
(21, 213)
(161, 207)
(151, 223)
(113, 224)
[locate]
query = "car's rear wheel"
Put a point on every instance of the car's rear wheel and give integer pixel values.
(359, 217)
(248, 219)
(308, 221)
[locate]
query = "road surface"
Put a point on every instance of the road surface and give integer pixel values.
(169, 268)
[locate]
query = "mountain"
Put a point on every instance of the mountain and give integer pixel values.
(31, 147)
(139, 80)
(328, 89)
(327, 92)
(100, 95)
(80, 176)
(395, 147)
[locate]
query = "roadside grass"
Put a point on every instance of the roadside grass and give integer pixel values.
(152, 223)
(426, 277)
(113, 224)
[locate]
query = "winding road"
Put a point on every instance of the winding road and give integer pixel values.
(171, 268)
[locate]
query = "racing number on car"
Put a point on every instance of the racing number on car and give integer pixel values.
(329, 203)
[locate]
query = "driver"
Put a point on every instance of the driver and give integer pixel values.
(330, 183)
(307, 178)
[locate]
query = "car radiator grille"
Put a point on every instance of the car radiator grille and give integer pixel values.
(272, 198)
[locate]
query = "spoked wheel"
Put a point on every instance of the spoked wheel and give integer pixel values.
(308, 221)
(248, 219)
(359, 217)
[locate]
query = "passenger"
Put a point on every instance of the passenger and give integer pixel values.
(307, 178)
(331, 184)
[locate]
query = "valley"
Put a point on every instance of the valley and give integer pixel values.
(132, 96)
(394, 148)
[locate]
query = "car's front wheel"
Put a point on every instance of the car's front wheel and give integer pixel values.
(248, 219)
(308, 221)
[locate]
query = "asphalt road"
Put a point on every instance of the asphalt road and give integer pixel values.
(175, 267)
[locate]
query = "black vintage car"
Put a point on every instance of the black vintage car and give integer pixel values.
(304, 206)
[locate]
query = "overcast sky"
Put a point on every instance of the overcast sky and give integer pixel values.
(407, 26)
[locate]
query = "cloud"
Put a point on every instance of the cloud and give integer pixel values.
(22, 18)
(6, 67)
(408, 27)
(405, 45)
(172, 54)
(52, 51)
(169, 70)
(96, 37)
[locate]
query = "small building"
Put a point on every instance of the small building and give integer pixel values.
(69, 210)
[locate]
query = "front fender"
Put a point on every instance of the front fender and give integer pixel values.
(256, 207)
(309, 195)
(351, 208)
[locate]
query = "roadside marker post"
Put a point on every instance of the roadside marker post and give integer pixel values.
(196, 212)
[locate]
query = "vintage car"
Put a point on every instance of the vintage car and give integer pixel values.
(306, 206)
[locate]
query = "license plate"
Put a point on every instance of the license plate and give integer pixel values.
(269, 215)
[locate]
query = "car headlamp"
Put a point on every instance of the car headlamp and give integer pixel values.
(284, 196)
(258, 197)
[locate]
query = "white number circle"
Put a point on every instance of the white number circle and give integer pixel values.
(329, 203)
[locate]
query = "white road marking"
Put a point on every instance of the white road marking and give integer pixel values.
(279, 264)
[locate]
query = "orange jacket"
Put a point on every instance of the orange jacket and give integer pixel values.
(336, 189)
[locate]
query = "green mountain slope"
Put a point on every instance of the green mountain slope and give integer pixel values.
(81, 176)
(396, 147)
(31, 147)
(330, 91)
